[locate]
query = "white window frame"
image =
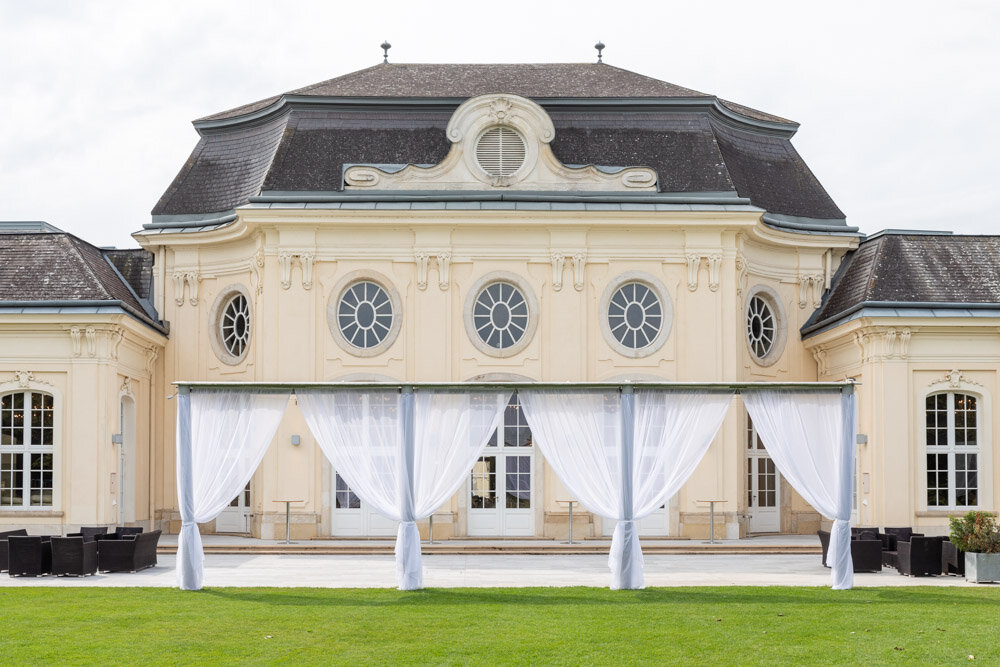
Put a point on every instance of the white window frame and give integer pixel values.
(951, 449)
(27, 449)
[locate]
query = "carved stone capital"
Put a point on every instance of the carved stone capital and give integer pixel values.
(192, 278)
(422, 258)
(579, 266)
(285, 263)
(178, 278)
(307, 259)
(76, 338)
(444, 269)
(693, 263)
(558, 259)
(714, 270)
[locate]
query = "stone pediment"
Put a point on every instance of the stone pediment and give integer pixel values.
(500, 141)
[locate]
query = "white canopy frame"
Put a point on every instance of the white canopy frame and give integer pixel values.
(842, 569)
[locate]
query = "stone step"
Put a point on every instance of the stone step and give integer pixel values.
(511, 548)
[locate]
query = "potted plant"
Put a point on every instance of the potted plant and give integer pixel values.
(978, 535)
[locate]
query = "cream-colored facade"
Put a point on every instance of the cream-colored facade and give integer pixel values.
(292, 260)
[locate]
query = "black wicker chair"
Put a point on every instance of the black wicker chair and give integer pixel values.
(867, 555)
(128, 555)
(29, 556)
(952, 560)
(824, 543)
(20, 532)
(920, 557)
(891, 537)
(74, 556)
(121, 533)
(90, 533)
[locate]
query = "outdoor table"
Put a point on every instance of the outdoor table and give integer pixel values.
(570, 502)
(288, 517)
(711, 518)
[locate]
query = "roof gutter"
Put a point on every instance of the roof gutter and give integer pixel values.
(809, 329)
(91, 303)
(182, 221)
(803, 224)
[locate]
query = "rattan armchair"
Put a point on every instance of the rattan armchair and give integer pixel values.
(20, 532)
(920, 557)
(128, 555)
(90, 533)
(74, 556)
(29, 556)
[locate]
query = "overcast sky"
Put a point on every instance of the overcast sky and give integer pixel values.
(899, 102)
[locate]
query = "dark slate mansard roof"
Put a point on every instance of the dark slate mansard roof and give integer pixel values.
(48, 269)
(899, 274)
(300, 142)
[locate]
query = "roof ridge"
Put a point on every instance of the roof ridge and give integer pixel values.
(872, 271)
(76, 243)
(651, 78)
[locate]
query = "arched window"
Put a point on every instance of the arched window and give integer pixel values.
(952, 450)
(26, 436)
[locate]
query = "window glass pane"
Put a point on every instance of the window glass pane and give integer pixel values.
(518, 481)
(484, 483)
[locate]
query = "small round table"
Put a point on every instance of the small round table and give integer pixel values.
(570, 502)
(288, 517)
(711, 518)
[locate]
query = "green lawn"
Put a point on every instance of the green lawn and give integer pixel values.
(533, 625)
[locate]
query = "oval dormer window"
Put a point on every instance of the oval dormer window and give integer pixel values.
(500, 151)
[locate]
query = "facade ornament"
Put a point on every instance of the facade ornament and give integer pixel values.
(579, 264)
(742, 275)
(822, 358)
(192, 278)
(422, 259)
(126, 388)
(444, 269)
(257, 271)
(307, 259)
(178, 288)
(76, 337)
(694, 263)
(904, 343)
(500, 109)
(91, 334)
(558, 260)
(955, 379)
(811, 289)
(714, 269)
(117, 336)
(151, 354)
(285, 262)
(24, 378)
(863, 341)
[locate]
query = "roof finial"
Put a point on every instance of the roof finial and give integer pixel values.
(600, 47)
(385, 51)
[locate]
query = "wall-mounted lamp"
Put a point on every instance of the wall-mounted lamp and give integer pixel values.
(296, 440)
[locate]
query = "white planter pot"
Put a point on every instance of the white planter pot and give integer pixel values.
(982, 567)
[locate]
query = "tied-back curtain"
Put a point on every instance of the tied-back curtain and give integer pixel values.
(403, 454)
(624, 455)
(810, 437)
(221, 438)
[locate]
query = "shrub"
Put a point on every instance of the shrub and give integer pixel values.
(977, 532)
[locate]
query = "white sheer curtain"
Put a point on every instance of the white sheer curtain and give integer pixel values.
(403, 454)
(624, 455)
(221, 438)
(810, 437)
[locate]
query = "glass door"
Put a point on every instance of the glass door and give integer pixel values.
(501, 489)
(763, 486)
(236, 517)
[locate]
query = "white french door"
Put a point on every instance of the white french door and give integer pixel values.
(352, 518)
(501, 489)
(763, 486)
(236, 517)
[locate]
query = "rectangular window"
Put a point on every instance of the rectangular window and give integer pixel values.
(952, 442)
(26, 437)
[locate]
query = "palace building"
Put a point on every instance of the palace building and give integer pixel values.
(448, 223)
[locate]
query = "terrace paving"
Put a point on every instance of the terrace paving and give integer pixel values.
(743, 565)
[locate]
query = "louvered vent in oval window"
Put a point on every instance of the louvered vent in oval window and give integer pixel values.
(500, 151)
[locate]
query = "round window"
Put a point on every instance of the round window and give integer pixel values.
(765, 329)
(231, 324)
(234, 327)
(760, 327)
(500, 151)
(635, 315)
(500, 315)
(365, 314)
